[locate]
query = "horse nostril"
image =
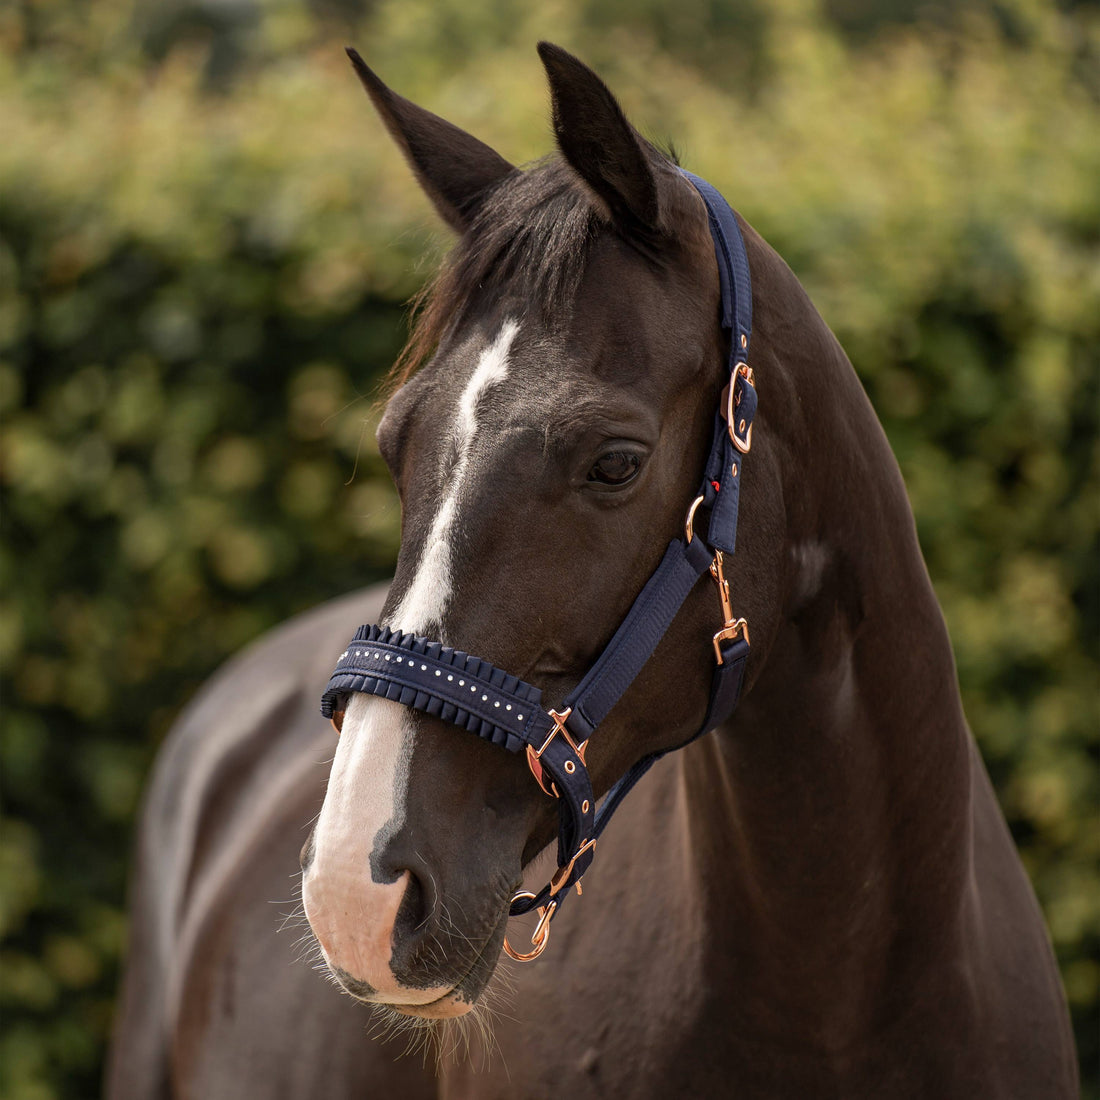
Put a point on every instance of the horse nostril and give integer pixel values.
(416, 906)
(399, 859)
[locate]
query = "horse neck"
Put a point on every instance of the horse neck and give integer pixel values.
(837, 798)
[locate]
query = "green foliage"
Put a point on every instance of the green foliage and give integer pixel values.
(199, 290)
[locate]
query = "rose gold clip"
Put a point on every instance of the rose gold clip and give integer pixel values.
(731, 627)
(541, 936)
(542, 931)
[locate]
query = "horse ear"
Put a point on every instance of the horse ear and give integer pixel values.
(455, 169)
(596, 139)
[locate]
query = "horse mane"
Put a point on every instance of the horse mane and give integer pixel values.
(532, 234)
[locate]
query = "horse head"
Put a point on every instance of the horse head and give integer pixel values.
(545, 453)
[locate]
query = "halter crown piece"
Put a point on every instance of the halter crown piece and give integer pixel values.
(474, 695)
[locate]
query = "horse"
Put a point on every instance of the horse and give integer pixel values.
(818, 897)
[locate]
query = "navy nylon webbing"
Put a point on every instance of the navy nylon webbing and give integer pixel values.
(638, 635)
(733, 263)
(721, 489)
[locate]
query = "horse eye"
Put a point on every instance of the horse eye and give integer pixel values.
(614, 468)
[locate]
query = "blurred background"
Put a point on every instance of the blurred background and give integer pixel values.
(206, 247)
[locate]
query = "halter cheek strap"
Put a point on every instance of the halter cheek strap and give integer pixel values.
(468, 692)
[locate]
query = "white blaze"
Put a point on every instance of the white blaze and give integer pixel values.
(426, 599)
(352, 915)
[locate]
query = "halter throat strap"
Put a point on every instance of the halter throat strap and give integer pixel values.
(472, 694)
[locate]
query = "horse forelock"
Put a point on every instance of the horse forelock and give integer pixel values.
(532, 236)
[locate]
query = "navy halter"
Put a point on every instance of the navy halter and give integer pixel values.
(462, 689)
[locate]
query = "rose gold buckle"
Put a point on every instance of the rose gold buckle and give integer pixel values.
(541, 935)
(562, 873)
(731, 630)
(742, 370)
(533, 755)
(559, 727)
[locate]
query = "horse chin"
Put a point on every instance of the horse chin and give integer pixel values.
(448, 1007)
(453, 1003)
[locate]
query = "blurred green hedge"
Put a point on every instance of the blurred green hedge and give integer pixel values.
(201, 282)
